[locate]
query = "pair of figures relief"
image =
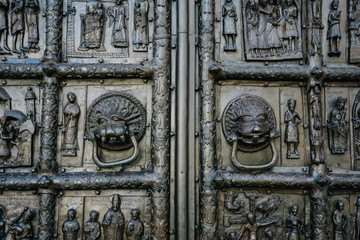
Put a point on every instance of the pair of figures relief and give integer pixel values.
(113, 224)
(272, 29)
(19, 228)
(16, 17)
(93, 24)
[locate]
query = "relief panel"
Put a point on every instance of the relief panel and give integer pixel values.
(135, 205)
(353, 26)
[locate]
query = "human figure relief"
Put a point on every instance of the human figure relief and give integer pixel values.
(291, 28)
(252, 226)
(4, 26)
(92, 228)
(135, 227)
(252, 19)
(339, 220)
(293, 223)
(32, 9)
(338, 127)
(17, 26)
(118, 19)
(333, 33)
(272, 36)
(21, 228)
(229, 25)
(114, 222)
(71, 226)
(140, 36)
(92, 27)
(292, 120)
(71, 118)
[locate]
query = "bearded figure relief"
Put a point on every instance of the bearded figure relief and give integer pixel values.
(116, 121)
(249, 125)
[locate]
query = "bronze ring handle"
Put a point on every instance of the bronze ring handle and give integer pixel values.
(272, 163)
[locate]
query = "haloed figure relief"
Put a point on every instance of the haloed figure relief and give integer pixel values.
(292, 120)
(293, 223)
(333, 33)
(114, 222)
(71, 226)
(135, 227)
(118, 19)
(32, 9)
(4, 27)
(92, 228)
(338, 128)
(229, 25)
(140, 34)
(70, 131)
(92, 27)
(339, 220)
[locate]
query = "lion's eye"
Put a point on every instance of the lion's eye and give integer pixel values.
(102, 121)
(115, 119)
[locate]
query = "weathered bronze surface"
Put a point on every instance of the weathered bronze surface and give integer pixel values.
(157, 119)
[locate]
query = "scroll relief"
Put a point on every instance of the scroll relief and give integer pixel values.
(113, 225)
(19, 19)
(115, 121)
(16, 131)
(105, 28)
(272, 29)
(249, 124)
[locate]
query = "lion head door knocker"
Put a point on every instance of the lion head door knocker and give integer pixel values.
(249, 124)
(116, 121)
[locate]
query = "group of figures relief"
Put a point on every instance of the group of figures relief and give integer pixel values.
(16, 131)
(112, 226)
(293, 226)
(271, 27)
(93, 24)
(16, 18)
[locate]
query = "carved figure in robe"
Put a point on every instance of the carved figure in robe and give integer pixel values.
(338, 128)
(252, 19)
(118, 19)
(272, 36)
(6, 138)
(71, 226)
(114, 222)
(292, 120)
(280, 26)
(17, 26)
(21, 228)
(32, 8)
(229, 25)
(92, 27)
(92, 228)
(293, 223)
(140, 37)
(252, 226)
(291, 28)
(4, 26)
(70, 130)
(333, 33)
(339, 220)
(135, 227)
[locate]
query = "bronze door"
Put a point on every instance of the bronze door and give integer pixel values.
(206, 119)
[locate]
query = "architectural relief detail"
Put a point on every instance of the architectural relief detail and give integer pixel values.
(229, 25)
(292, 120)
(355, 115)
(70, 130)
(333, 33)
(92, 27)
(115, 121)
(338, 127)
(16, 134)
(339, 220)
(118, 20)
(272, 29)
(249, 124)
(141, 26)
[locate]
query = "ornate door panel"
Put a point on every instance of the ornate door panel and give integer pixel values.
(278, 123)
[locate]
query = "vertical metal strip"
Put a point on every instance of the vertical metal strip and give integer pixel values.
(208, 194)
(182, 126)
(161, 120)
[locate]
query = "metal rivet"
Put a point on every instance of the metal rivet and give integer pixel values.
(4, 59)
(98, 169)
(101, 61)
(329, 169)
(63, 170)
(304, 169)
(97, 192)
